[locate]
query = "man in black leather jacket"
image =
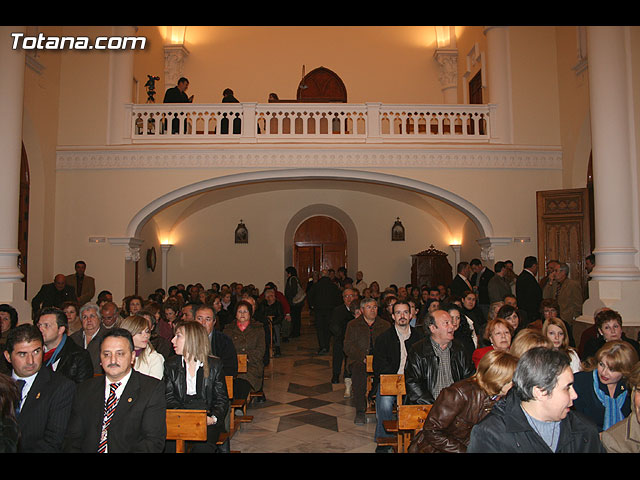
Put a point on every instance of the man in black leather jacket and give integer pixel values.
(60, 352)
(436, 361)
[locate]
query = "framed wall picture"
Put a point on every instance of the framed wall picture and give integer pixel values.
(151, 259)
(242, 234)
(397, 231)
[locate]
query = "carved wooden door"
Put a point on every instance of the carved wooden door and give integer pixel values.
(319, 243)
(564, 230)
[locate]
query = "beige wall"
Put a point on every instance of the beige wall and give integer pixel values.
(40, 130)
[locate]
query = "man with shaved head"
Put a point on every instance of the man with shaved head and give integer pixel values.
(53, 294)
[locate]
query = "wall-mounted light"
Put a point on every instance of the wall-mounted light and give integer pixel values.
(97, 239)
(521, 239)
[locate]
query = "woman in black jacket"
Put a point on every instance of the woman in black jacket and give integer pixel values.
(194, 380)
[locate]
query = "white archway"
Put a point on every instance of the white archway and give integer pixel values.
(478, 217)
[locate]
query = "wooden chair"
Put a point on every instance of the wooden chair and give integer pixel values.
(186, 425)
(371, 406)
(411, 419)
(236, 404)
(392, 384)
(242, 368)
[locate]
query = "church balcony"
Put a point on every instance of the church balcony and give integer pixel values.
(309, 123)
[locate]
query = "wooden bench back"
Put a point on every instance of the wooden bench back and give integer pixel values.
(229, 381)
(242, 363)
(183, 425)
(412, 417)
(369, 363)
(393, 384)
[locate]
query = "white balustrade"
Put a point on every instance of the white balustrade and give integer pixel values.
(309, 122)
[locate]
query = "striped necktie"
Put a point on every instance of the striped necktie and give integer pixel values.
(109, 408)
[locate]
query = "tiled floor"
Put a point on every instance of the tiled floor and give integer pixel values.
(304, 411)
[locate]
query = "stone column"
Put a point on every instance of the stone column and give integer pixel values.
(11, 98)
(447, 58)
(499, 83)
(616, 278)
(120, 88)
(165, 247)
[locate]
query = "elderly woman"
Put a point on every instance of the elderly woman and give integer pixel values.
(248, 338)
(624, 436)
(609, 326)
(498, 333)
(194, 380)
(527, 339)
(603, 393)
(555, 329)
(148, 361)
(463, 404)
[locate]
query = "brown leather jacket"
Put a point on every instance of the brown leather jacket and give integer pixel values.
(456, 410)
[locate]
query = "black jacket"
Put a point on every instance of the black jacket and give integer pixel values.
(49, 296)
(211, 391)
(74, 362)
(529, 295)
(483, 286)
(386, 351)
(223, 348)
(324, 295)
(44, 415)
(340, 316)
(421, 370)
(506, 430)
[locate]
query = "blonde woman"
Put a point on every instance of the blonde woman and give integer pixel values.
(187, 388)
(463, 404)
(555, 330)
(148, 361)
(623, 436)
(527, 339)
(603, 392)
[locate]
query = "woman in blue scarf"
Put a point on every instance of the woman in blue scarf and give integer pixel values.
(603, 393)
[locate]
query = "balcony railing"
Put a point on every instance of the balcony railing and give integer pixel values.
(309, 123)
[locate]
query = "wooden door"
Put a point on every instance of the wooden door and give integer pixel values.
(319, 243)
(564, 229)
(321, 85)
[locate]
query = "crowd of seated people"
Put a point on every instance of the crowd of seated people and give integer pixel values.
(473, 367)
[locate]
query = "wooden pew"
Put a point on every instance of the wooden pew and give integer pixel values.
(392, 384)
(371, 406)
(186, 425)
(236, 403)
(242, 368)
(411, 419)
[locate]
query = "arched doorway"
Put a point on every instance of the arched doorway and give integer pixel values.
(320, 243)
(321, 85)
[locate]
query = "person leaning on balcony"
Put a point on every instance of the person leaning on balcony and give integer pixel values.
(178, 94)
(227, 97)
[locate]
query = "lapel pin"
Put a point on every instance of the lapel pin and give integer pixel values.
(38, 395)
(129, 399)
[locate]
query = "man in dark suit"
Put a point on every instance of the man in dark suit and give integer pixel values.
(91, 333)
(460, 283)
(53, 294)
(122, 412)
(84, 285)
(61, 353)
(480, 283)
(528, 291)
(46, 396)
(221, 345)
(324, 296)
